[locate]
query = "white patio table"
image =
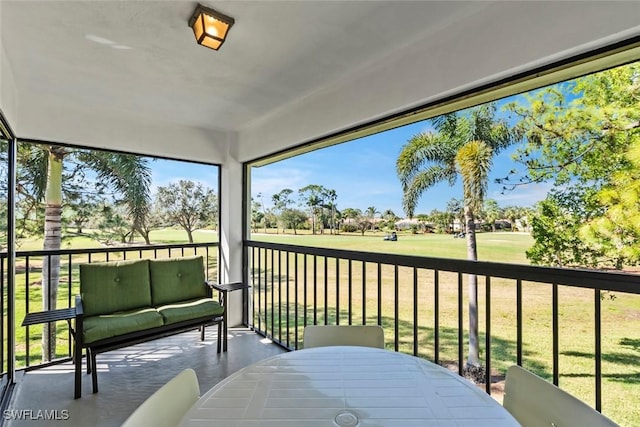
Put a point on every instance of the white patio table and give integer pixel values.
(346, 387)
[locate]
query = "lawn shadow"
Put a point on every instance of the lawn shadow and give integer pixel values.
(619, 359)
(503, 352)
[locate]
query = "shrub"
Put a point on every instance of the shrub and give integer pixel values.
(349, 228)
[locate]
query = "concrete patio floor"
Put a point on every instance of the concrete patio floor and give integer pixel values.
(126, 377)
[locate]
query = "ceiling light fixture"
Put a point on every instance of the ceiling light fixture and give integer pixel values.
(210, 27)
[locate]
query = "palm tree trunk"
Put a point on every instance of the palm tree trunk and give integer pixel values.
(333, 219)
(472, 254)
(52, 242)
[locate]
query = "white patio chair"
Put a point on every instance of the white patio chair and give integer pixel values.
(359, 335)
(535, 402)
(168, 404)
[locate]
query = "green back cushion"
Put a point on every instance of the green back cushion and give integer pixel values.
(177, 279)
(114, 286)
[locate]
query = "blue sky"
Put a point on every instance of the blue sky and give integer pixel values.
(361, 171)
(165, 172)
(363, 174)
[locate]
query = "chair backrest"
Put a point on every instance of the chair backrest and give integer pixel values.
(535, 402)
(168, 404)
(360, 335)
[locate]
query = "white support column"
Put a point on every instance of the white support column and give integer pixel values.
(231, 226)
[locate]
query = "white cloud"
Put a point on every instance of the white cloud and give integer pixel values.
(272, 181)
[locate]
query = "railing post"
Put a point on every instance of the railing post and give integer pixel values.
(487, 335)
(295, 289)
(27, 299)
(460, 327)
(556, 332)
(326, 291)
(337, 291)
(315, 290)
(597, 301)
(364, 293)
(379, 294)
(350, 284)
(304, 284)
(415, 312)
(519, 322)
(436, 316)
(396, 308)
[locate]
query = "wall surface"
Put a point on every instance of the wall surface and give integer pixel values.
(67, 124)
(8, 99)
(504, 39)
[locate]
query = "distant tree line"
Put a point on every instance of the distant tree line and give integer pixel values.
(315, 208)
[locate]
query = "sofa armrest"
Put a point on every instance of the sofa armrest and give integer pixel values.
(209, 287)
(79, 309)
(79, 326)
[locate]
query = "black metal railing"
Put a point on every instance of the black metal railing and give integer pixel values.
(421, 304)
(29, 298)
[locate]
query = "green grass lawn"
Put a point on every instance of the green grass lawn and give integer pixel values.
(620, 317)
(164, 236)
(498, 247)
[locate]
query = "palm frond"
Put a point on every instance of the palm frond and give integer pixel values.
(128, 175)
(423, 150)
(422, 181)
(474, 162)
(464, 142)
(33, 161)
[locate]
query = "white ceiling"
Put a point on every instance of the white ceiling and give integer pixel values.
(129, 75)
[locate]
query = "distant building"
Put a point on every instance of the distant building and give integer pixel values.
(409, 223)
(406, 223)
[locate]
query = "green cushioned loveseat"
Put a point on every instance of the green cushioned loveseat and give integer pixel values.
(128, 302)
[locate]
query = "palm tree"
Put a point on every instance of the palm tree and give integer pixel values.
(331, 196)
(462, 145)
(281, 202)
(455, 212)
(492, 212)
(371, 214)
(390, 217)
(312, 195)
(127, 175)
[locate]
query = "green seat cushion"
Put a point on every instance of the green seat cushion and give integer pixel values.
(96, 328)
(177, 279)
(201, 307)
(114, 286)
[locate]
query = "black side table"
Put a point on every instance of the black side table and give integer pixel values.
(51, 316)
(224, 288)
